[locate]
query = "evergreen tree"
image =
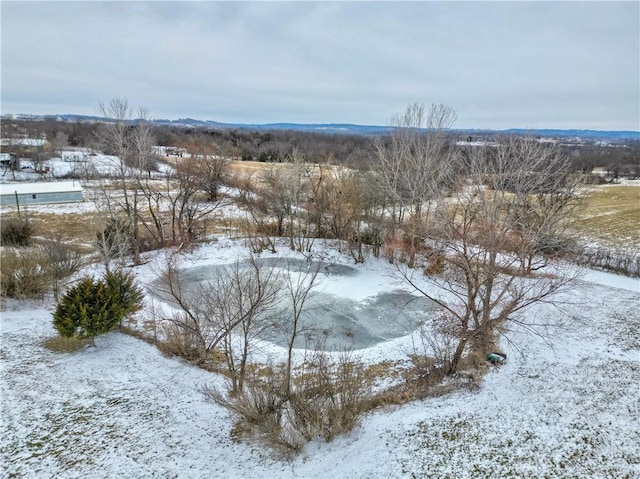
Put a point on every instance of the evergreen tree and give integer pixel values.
(95, 307)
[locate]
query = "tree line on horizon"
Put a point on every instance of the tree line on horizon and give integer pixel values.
(276, 146)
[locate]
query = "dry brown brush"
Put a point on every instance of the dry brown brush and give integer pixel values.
(327, 398)
(24, 274)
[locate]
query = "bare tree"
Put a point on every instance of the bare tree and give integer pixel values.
(227, 313)
(177, 206)
(170, 210)
(299, 288)
(114, 240)
(143, 158)
(319, 186)
(155, 194)
(115, 138)
(416, 166)
(246, 294)
(354, 209)
(186, 208)
(545, 194)
(194, 320)
(515, 199)
(260, 226)
(280, 198)
(258, 230)
(213, 170)
(286, 194)
(63, 261)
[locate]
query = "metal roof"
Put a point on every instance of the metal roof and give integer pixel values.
(39, 188)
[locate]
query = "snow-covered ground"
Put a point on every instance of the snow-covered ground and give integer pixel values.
(564, 405)
(80, 163)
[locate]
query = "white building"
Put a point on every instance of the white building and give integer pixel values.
(40, 193)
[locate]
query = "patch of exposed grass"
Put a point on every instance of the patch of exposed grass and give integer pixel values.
(59, 344)
(610, 216)
(386, 369)
(256, 167)
(78, 228)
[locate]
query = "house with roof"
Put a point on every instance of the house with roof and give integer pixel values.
(18, 194)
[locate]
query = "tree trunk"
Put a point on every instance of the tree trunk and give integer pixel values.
(455, 360)
(287, 379)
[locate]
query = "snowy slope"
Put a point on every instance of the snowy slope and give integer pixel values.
(567, 405)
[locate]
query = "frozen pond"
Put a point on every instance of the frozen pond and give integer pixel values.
(330, 320)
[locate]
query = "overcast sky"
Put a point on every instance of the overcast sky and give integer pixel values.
(499, 65)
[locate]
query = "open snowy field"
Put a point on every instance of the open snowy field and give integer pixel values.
(564, 405)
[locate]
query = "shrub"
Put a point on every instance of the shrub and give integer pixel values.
(24, 274)
(259, 403)
(64, 260)
(619, 260)
(115, 241)
(180, 341)
(327, 399)
(95, 307)
(16, 232)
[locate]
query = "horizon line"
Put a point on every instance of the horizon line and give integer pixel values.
(364, 125)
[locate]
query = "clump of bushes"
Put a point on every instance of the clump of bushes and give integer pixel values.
(115, 241)
(327, 399)
(621, 261)
(181, 342)
(33, 272)
(24, 274)
(16, 232)
(63, 261)
(94, 307)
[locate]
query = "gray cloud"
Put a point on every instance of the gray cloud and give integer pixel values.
(500, 65)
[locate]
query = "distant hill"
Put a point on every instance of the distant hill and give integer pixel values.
(631, 135)
(351, 129)
(330, 128)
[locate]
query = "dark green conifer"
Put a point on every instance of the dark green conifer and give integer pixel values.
(95, 307)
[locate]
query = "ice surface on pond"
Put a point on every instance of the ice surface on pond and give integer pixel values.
(330, 320)
(293, 265)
